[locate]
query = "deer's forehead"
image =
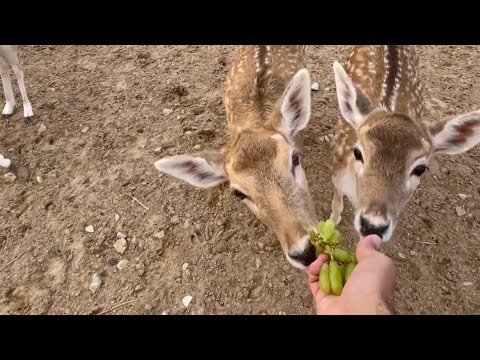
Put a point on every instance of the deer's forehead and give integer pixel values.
(252, 151)
(394, 131)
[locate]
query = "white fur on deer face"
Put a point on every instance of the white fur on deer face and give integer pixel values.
(392, 153)
(264, 171)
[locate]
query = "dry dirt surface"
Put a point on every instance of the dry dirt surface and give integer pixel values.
(111, 111)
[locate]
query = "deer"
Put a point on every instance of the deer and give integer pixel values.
(9, 58)
(267, 102)
(383, 143)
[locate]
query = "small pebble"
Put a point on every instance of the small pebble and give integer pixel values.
(89, 229)
(120, 246)
(42, 129)
(315, 86)
(122, 264)
(413, 253)
(287, 293)
(197, 147)
(5, 163)
(85, 129)
(463, 196)
(467, 283)
(449, 276)
(187, 300)
(258, 263)
(175, 219)
(261, 245)
(121, 235)
(148, 307)
(165, 312)
(117, 217)
(159, 235)
(401, 255)
(138, 288)
(185, 266)
(285, 267)
(112, 261)
(282, 313)
(39, 179)
(96, 283)
(157, 150)
(9, 177)
(460, 211)
(167, 112)
(443, 170)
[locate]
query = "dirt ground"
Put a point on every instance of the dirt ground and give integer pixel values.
(107, 119)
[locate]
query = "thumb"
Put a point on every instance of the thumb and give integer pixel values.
(368, 246)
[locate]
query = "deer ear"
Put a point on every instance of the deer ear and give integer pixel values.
(203, 170)
(295, 107)
(456, 135)
(354, 104)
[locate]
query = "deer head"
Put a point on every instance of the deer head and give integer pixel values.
(392, 153)
(264, 171)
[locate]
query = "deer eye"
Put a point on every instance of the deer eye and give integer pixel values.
(295, 159)
(239, 194)
(419, 170)
(358, 154)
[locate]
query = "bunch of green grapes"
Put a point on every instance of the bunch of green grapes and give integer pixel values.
(336, 271)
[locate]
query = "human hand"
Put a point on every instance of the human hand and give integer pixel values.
(369, 289)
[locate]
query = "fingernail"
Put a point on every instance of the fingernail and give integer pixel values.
(376, 240)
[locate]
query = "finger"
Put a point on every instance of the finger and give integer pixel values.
(368, 246)
(313, 275)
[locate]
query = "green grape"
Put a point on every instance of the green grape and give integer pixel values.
(325, 278)
(342, 271)
(336, 283)
(328, 230)
(335, 238)
(320, 227)
(348, 270)
(341, 255)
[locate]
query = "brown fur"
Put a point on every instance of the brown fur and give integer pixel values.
(393, 134)
(255, 161)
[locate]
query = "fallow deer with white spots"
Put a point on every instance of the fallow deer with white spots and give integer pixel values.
(383, 143)
(267, 102)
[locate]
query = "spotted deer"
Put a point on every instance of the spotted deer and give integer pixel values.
(383, 143)
(8, 58)
(267, 103)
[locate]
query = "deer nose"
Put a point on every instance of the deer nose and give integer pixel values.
(368, 227)
(304, 257)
